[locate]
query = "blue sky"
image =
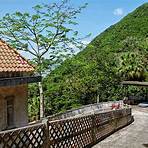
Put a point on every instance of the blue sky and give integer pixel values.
(98, 15)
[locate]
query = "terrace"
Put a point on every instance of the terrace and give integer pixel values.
(77, 131)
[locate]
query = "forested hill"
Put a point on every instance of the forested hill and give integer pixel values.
(119, 53)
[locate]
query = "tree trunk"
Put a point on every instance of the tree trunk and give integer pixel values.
(41, 100)
(41, 89)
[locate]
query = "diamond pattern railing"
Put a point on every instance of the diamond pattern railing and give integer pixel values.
(77, 132)
(87, 130)
(26, 137)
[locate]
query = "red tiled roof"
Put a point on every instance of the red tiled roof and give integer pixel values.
(12, 61)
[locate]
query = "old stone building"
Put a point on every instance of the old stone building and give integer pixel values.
(15, 73)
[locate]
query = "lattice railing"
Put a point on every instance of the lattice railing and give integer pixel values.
(26, 137)
(71, 133)
(87, 130)
(67, 133)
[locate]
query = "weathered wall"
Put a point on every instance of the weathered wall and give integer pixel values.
(86, 110)
(20, 105)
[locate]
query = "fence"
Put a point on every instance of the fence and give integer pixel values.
(67, 133)
(26, 137)
(86, 131)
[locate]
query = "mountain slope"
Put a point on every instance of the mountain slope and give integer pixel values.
(92, 73)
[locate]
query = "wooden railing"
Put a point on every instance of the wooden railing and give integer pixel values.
(67, 133)
(26, 137)
(88, 130)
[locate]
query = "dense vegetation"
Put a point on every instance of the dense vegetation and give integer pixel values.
(119, 53)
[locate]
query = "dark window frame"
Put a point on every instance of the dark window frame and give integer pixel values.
(10, 111)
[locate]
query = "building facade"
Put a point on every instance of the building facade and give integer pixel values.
(15, 73)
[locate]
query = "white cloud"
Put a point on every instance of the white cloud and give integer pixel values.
(118, 12)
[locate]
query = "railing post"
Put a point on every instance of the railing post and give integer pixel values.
(46, 143)
(93, 130)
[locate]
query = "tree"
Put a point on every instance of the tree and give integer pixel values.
(133, 60)
(132, 66)
(46, 34)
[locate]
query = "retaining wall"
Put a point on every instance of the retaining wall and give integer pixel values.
(86, 110)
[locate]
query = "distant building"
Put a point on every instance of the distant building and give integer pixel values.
(15, 73)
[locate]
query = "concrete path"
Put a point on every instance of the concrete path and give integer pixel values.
(133, 136)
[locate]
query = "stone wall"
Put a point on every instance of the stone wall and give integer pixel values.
(20, 105)
(86, 110)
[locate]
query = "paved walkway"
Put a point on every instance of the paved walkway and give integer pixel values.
(133, 136)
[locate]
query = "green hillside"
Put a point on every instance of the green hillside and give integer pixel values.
(119, 53)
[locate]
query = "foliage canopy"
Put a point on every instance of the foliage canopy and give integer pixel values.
(119, 53)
